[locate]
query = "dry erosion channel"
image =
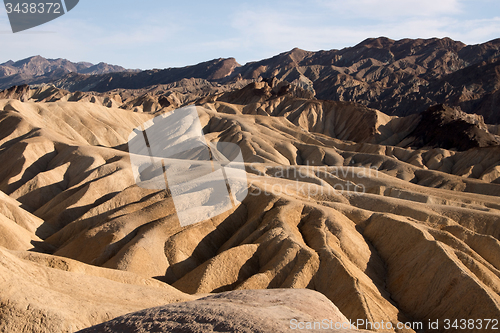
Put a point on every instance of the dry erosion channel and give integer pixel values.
(371, 182)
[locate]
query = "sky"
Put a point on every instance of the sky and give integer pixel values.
(150, 34)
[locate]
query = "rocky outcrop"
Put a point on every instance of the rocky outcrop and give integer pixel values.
(443, 127)
(282, 310)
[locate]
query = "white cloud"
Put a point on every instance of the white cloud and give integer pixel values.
(478, 31)
(392, 9)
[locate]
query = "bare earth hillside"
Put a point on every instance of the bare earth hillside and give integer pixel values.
(389, 219)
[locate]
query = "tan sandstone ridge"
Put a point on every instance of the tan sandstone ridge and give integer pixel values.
(42, 293)
(385, 233)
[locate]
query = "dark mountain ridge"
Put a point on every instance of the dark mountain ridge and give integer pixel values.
(397, 77)
(400, 77)
(213, 70)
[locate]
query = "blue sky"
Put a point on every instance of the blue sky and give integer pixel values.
(158, 34)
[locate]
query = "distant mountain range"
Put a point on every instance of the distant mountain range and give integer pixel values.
(37, 69)
(396, 77)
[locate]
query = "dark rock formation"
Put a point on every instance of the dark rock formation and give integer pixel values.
(448, 128)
